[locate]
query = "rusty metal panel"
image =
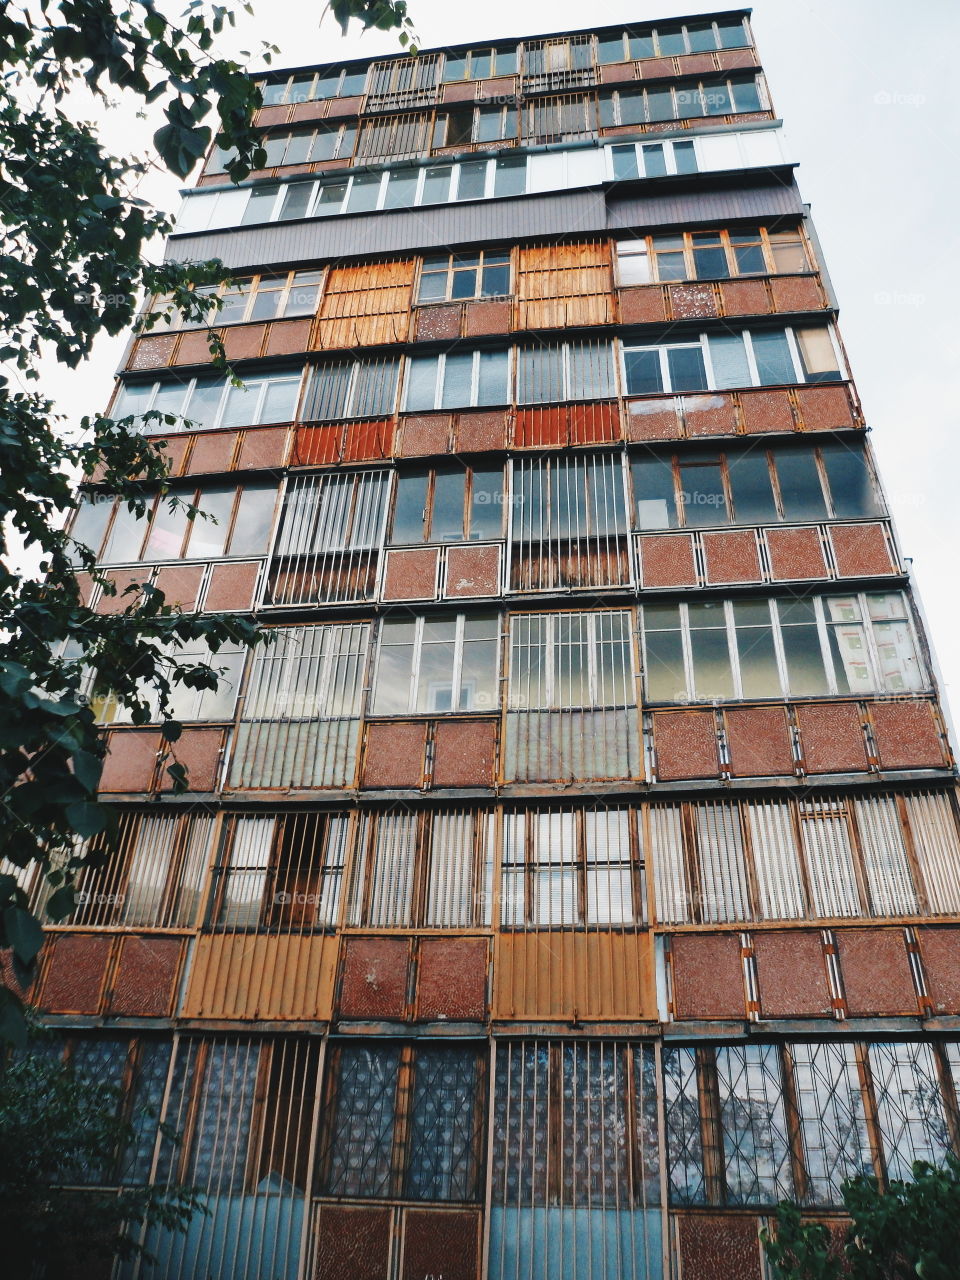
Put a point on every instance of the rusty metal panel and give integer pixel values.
(763, 411)
(574, 975)
(563, 285)
(231, 587)
(758, 741)
(279, 977)
(75, 968)
(452, 978)
(719, 1247)
(594, 422)
(144, 984)
(374, 977)
(861, 550)
(732, 556)
(685, 743)
(366, 304)
(464, 753)
(472, 571)
(876, 972)
(200, 752)
(791, 974)
(353, 1243)
(707, 972)
(940, 949)
(394, 754)
(441, 1243)
(831, 737)
(541, 427)
(795, 554)
(368, 441)
(411, 574)
(907, 735)
(666, 560)
(825, 408)
(131, 760)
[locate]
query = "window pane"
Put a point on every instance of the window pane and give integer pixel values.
(687, 372)
(643, 371)
(90, 521)
(712, 675)
(788, 251)
(654, 164)
(666, 678)
(710, 258)
(260, 204)
(473, 177)
(729, 359)
(478, 673)
(759, 676)
(610, 49)
(732, 34)
(493, 377)
(817, 355)
(625, 163)
(751, 487)
(408, 515)
(689, 102)
(510, 176)
(329, 198)
(391, 694)
(746, 95)
(654, 493)
(670, 40)
(436, 184)
(702, 495)
(486, 504)
(457, 380)
(801, 648)
(296, 201)
(166, 533)
(444, 1151)
(632, 263)
(280, 400)
(700, 35)
(448, 494)
(422, 382)
(772, 354)
(640, 46)
(685, 157)
(364, 192)
(360, 1141)
(401, 190)
(800, 487)
(254, 519)
(851, 487)
(718, 99)
(208, 536)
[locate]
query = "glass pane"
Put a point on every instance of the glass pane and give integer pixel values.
(401, 191)
(610, 49)
(296, 201)
(457, 381)
(643, 371)
(685, 157)
(687, 372)
(718, 99)
(280, 399)
(625, 163)
(640, 46)
(751, 487)
(391, 694)
(700, 36)
(729, 359)
(749, 257)
(689, 102)
(788, 251)
(473, 177)
(298, 148)
(510, 176)
(803, 655)
(486, 504)
(478, 675)
(709, 258)
(851, 487)
(364, 192)
(746, 95)
(166, 533)
(712, 674)
(436, 184)
(208, 536)
(759, 677)
(732, 34)
(772, 354)
(665, 676)
(670, 40)
(632, 263)
(493, 377)
(702, 495)
(448, 495)
(654, 493)
(251, 530)
(90, 521)
(817, 354)
(260, 204)
(324, 144)
(329, 198)
(654, 164)
(421, 390)
(800, 487)
(408, 515)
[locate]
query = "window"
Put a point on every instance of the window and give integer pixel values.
(209, 401)
(352, 389)
(479, 64)
(565, 371)
(457, 379)
(404, 1122)
(690, 99)
(761, 648)
(557, 118)
(677, 367)
(544, 58)
(89, 523)
(451, 277)
(466, 125)
(570, 868)
(448, 503)
(436, 664)
(404, 80)
(304, 146)
(755, 357)
(308, 86)
(565, 660)
(711, 255)
(185, 701)
(652, 159)
(236, 520)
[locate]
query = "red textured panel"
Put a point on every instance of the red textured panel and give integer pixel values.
(460, 91)
(411, 575)
(352, 1244)
(876, 972)
(791, 974)
(194, 348)
(763, 411)
(486, 317)
(180, 584)
(144, 985)
(696, 64)
(907, 735)
(730, 59)
(131, 760)
(686, 744)
(616, 72)
(268, 116)
(123, 599)
(288, 337)
(338, 107)
(861, 550)
(364, 441)
(394, 754)
(796, 553)
(473, 571)
(732, 557)
(374, 977)
(744, 298)
(831, 737)
(479, 432)
(498, 87)
(758, 739)
(316, 445)
(710, 415)
(152, 353)
(438, 324)
(653, 420)
(796, 293)
(212, 451)
(441, 1244)
(594, 423)
(941, 965)
(452, 980)
(74, 973)
(823, 408)
(173, 451)
(243, 341)
(719, 1247)
(464, 753)
(541, 427)
(642, 305)
(655, 68)
(692, 301)
(707, 975)
(262, 447)
(231, 587)
(198, 750)
(666, 560)
(421, 436)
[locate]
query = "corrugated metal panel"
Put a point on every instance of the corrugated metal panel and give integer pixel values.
(697, 208)
(937, 848)
(885, 856)
(671, 886)
(275, 978)
(574, 974)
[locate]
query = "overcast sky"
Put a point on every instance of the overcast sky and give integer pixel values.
(865, 89)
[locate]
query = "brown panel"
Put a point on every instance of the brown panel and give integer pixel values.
(460, 91)
(411, 575)
(144, 985)
(198, 750)
(655, 68)
(940, 949)
(765, 411)
(709, 415)
(707, 975)
(212, 451)
(796, 553)
(685, 744)
(131, 760)
(876, 972)
(564, 284)
(653, 420)
(122, 579)
(861, 550)
(666, 560)
(500, 86)
(288, 337)
(437, 324)
(438, 1243)
(831, 737)
(791, 974)
(479, 432)
(243, 341)
(616, 72)
(452, 981)
(732, 557)
(352, 1244)
(173, 452)
(473, 571)
(480, 318)
(268, 116)
(796, 293)
(152, 353)
(744, 298)
(278, 977)
(758, 739)
(642, 305)
(180, 584)
(262, 447)
(313, 446)
(594, 423)
(719, 1247)
(696, 64)
(822, 408)
(374, 977)
(464, 753)
(907, 735)
(194, 348)
(74, 973)
(338, 107)
(363, 441)
(541, 426)
(730, 59)
(692, 301)
(573, 975)
(422, 436)
(231, 587)
(394, 754)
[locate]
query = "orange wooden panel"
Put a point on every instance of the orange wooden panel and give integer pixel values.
(568, 974)
(277, 977)
(560, 285)
(541, 426)
(364, 441)
(366, 304)
(591, 423)
(314, 446)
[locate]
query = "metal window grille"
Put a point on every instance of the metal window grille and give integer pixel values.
(933, 826)
(352, 389)
(395, 137)
(827, 1079)
(887, 868)
(565, 371)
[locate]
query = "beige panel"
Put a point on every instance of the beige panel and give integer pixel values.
(289, 976)
(564, 284)
(570, 973)
(366, 304)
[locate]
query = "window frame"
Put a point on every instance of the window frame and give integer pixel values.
(429, 514)
(420, 621)
(267, 379)
(316, 77)
(452, 270)
(650, 254)
(440, 379)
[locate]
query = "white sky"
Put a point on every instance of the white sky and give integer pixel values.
(866, 90)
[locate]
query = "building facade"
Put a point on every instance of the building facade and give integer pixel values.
(577, 873)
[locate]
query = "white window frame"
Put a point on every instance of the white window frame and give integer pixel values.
(413, 693)
(441, 359)
(703, 341)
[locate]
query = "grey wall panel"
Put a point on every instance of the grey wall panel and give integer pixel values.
(762, 200)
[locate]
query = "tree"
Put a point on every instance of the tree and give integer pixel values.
(912, 1230)
(74, 239)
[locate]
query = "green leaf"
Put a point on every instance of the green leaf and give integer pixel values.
(61, 903)
(24, 934)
